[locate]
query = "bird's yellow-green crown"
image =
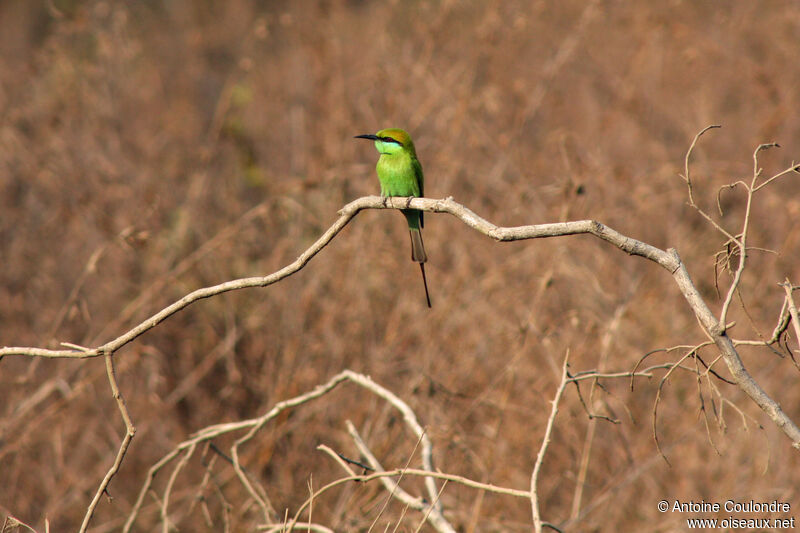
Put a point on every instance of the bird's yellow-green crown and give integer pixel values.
(400, 136)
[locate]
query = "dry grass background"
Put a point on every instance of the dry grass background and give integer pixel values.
(148, 149)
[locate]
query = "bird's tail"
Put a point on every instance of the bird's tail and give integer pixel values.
(425, 282)
(418, 255)
(417, 248)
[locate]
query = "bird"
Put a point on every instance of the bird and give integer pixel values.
(400, 174)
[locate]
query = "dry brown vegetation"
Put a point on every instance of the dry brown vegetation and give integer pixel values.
(149, 149)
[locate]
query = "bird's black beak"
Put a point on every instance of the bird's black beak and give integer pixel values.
(370, 137)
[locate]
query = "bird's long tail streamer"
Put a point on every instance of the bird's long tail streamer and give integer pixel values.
(425, 282)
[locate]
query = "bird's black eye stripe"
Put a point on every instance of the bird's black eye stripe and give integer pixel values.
(390, 140)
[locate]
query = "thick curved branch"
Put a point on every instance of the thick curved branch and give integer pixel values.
(346, 214)
(668, 259)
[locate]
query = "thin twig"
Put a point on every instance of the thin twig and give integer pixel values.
(416, 472)
(787, 286)
(393, 487)
(741, 243)
(793, 168)
(339, 458)
(537, 467)
(658, 398)
(165, 523)
(687, 178)
(130, 431)
(703, 411)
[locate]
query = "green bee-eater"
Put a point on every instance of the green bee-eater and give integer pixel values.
(400, 174)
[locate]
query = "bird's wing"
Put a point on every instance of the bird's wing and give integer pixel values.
(420, 183)
(418, 174)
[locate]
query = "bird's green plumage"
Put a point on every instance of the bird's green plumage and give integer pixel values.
(399, 170)
(400, 174)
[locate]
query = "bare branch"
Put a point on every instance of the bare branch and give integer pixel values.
(393, 487)
(410, 418)
(537, 467)
(741, 243)
(756, 168)
(687, 178)
(792, 309)
(421, 473)
(780, 328)
(433, 511)
(347, 213)
(170, 483)
(591, 374)
(130, 431)
(794, 167)
(658, 399)
(13, 522)
(703, 410)
(339, 459)
(281, 528)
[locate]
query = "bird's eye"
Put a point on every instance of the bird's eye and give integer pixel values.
(390, 140)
